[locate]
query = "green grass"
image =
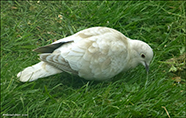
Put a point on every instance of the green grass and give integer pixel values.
(28, 25)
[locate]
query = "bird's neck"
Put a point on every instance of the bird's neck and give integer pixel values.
(133, 54)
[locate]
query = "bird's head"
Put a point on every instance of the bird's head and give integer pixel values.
(143, 54)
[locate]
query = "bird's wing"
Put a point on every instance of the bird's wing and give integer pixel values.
(94, 53)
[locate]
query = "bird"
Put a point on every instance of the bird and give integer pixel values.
(96, 53)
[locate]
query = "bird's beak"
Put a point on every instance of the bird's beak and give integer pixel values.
(147, 67)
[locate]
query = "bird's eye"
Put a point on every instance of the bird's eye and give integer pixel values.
(142, 55)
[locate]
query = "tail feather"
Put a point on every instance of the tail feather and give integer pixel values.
(37, 71)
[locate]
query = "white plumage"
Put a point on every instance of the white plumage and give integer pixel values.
(96, 53)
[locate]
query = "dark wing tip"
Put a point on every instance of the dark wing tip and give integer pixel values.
(49, 48)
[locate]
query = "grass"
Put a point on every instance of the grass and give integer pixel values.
(29, 24)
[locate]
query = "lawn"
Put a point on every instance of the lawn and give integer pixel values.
(29, 24)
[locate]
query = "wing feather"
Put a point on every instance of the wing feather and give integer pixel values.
(57, 61)
(49, 48)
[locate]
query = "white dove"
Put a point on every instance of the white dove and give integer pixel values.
(97, 53)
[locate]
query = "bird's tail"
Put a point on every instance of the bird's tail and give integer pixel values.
(37, 71)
